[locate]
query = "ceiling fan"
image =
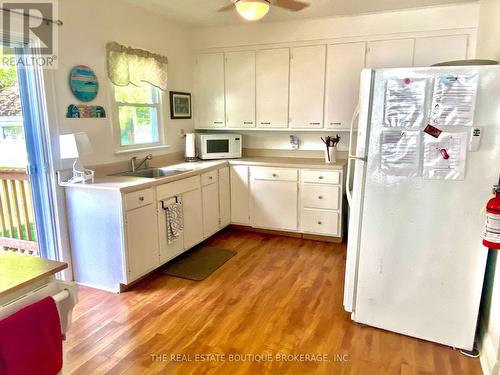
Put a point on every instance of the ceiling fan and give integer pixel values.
(253, 10)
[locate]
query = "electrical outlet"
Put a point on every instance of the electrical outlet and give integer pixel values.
(183, 133)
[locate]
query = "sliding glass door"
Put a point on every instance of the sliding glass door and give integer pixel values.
(27, 209)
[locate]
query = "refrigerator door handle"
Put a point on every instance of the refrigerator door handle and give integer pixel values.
(351, 157)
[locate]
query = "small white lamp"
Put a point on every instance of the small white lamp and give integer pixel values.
(72, 146)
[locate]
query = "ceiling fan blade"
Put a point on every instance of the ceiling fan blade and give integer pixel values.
(292, 5)
(226, 8)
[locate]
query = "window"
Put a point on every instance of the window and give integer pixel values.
(138, 116)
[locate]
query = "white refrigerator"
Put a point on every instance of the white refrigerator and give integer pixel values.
(415, 259)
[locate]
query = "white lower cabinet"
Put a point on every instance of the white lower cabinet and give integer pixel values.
(224, 197)
(168, 250)
(141, 240)
(319, 221)
(274, 198)
(321, 202)
(240, 195)
(119, 237)
(193, 222)
(321, 196)
(210, 196)
(274, 204)
(282, 201)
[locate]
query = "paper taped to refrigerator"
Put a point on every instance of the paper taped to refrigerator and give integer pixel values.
(400, 152)
(445, 157)
(454, 100)
(405, 102)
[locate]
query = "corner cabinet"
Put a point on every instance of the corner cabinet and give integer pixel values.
(224, 197)
(210, 198)
(208, 98)
(240, 195)
(307, 87)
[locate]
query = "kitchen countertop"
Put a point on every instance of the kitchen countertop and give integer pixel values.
(20, 270)
(129, 183)
(288, 162)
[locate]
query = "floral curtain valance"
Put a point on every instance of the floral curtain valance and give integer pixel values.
(127, 65)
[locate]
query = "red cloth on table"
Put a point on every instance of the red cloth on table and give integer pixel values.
(31, 340)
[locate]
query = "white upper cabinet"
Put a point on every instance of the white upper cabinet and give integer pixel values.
(209, 91)
(307, 87)
(344, 63)
(240, 89)
(272, 73)
(431, 50)
(395, 53)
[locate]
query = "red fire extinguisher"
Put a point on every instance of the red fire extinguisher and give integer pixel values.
(491, 238)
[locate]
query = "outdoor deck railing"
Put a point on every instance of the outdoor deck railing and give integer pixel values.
(17, 222)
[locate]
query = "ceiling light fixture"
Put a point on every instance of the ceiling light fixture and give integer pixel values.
(252, 10)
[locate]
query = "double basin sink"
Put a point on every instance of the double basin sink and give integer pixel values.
(154, 172)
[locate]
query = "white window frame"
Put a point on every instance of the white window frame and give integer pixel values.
(115, 122)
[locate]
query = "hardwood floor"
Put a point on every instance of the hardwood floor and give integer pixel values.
(277, 296)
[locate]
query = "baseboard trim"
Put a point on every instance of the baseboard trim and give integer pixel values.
(489, 359)
(304, 236)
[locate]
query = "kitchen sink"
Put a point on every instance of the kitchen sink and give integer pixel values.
(153, 172)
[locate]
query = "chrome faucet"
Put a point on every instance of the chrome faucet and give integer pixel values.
(134, 166)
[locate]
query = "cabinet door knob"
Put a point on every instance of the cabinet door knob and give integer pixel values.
(320, 177)
(320, 197)
(210, 177)
(275, 175)
(319, 222)
(141, 198)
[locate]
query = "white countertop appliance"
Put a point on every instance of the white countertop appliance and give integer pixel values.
(415, 261)
(218, 146)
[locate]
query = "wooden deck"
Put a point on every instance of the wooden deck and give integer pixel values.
(17, 221)
(277, 296)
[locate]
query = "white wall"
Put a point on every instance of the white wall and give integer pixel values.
(488, 38)
(416, 22)
(488, 47)
(88, 26)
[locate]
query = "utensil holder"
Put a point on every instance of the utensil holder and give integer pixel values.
(330, 155)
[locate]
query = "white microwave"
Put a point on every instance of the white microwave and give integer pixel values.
(218, 146)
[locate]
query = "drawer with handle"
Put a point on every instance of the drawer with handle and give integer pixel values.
(321, 196)
(278, 174)
(138, 199)
(209, 177)
(321, 176)
(322, 222)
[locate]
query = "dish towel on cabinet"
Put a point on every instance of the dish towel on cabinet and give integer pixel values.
(175, 221)
(31, 340)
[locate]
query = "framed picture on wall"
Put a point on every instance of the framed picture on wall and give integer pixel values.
(180, 105)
